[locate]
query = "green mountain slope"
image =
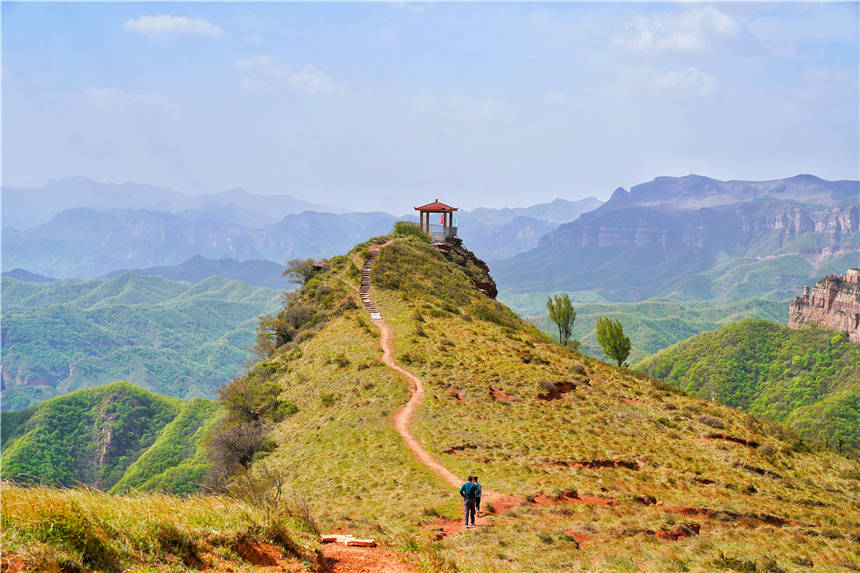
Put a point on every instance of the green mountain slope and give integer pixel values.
(636, 459)
(651, 325)
(807, 378)
(174, 338)
(117, 434)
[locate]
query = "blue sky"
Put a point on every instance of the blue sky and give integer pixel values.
(386, 105)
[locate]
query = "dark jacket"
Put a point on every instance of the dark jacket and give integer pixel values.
(469, 490)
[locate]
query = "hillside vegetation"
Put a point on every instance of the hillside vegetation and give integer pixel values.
(651, 325)
(175, 338)
(585, 466)
(606, 463)
(807, 378)
(47, 529)
(115, 436)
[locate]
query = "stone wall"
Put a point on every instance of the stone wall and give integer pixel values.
(833, 303)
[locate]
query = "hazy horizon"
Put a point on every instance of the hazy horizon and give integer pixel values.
(381, 106)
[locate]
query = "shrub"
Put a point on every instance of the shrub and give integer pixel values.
(408, 229)
(712, 422)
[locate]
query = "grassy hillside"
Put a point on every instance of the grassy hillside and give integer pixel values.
(637, 459)
(808, 378)
(651, 325)
(174, 338)
(117, 435)
(48, 529)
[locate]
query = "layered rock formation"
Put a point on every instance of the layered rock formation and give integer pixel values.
(834, 303)
(454, 251)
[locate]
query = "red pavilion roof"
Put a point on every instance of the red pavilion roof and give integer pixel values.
(436, 207)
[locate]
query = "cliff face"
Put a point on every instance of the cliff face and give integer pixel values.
(695, 237)
(454, 251)
(833, 303)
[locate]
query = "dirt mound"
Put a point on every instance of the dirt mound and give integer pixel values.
(727, 438)
(555, 390)
(597, 464)
(683, 531)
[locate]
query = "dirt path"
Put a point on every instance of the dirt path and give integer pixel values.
(407, 411)
(405, 414)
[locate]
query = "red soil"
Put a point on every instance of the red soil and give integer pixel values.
(456, 393)
(338, 558)
(638, 463)
(571, 497)
(498, 396)
(559, 389)
(683, 531)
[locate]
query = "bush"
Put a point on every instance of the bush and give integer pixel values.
(712, 422)
(408, 229)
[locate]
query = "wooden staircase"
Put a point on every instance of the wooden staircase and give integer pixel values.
(364, 289)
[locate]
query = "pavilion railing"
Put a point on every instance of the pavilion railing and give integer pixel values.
(442, 233)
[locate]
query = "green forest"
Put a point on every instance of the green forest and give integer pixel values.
(115, 436)
(175, 338)
(808, 378)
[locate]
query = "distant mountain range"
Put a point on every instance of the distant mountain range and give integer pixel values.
(175, 338)
(25, 208)
(83, 242)
(495, 234)
(697, 238)
(79, 228)
(196, 269)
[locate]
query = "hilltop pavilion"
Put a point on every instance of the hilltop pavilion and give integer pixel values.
(445, 229)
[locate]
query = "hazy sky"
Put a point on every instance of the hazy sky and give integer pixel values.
(388, 105)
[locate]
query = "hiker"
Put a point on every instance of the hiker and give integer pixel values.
(477, 495)
(468, 492)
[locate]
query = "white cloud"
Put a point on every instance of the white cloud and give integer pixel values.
(692, 80)
(313, 81)
(165, 25)
(694, 31)
(308, 78)
(650, 80)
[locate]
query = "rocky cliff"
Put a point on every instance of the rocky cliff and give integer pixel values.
(697, 238)
(833, 303)
(454, 251)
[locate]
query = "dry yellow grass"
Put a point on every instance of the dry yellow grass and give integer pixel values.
(79, 529)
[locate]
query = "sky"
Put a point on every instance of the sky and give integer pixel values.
(382, 106)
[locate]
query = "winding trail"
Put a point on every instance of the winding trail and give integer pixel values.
(405, 413)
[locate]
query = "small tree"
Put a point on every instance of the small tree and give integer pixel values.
(562, 314)
(611, 337)
(300, 271)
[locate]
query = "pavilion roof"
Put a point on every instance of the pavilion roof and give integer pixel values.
(436, 207)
